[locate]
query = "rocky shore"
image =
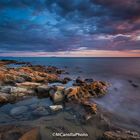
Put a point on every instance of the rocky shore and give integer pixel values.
(70, 102)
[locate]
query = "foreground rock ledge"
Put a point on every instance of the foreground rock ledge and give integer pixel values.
(19, 132)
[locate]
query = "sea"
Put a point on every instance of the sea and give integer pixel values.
(122, 103)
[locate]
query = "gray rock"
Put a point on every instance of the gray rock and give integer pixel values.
(6, 89)
(19, 90)
(19, 110)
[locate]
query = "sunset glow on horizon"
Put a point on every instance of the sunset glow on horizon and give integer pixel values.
(88, 53)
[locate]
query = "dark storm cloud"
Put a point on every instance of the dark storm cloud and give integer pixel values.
(64, 25)
(122, 8)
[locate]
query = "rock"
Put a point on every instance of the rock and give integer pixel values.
(42, 91)
(15, 132)
(89, 80)
(19, 110)
(56, 107)
(28, 73)
(134, 85)
(66, 80)
(26, 77)
(76, 93)
(99, 88)
(28, 84)
(58, 94)
(19, 79)
(5, 62)
(52, 69)
(72, 92)
(79, 80)
(38, 78)
(41, 111)
(4, 98)
(21, 91)
(91, 108)
(33, 134)
(121, 135)
(6, 89)
(86, 90)
(87, 117)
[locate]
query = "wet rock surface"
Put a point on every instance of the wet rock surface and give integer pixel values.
(19, 132)
(121, 135)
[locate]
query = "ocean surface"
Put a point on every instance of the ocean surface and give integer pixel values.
(89, 66)
(123, 99)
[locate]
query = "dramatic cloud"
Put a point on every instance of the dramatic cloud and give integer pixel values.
(55, 26)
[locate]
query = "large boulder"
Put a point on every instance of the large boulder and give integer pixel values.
(86, 90)
(77, 93)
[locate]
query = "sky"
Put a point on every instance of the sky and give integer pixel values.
(70, 28)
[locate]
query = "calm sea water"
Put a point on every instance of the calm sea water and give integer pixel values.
(89, 66)
(123, 100)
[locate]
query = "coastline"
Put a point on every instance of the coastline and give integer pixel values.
(37, 83)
